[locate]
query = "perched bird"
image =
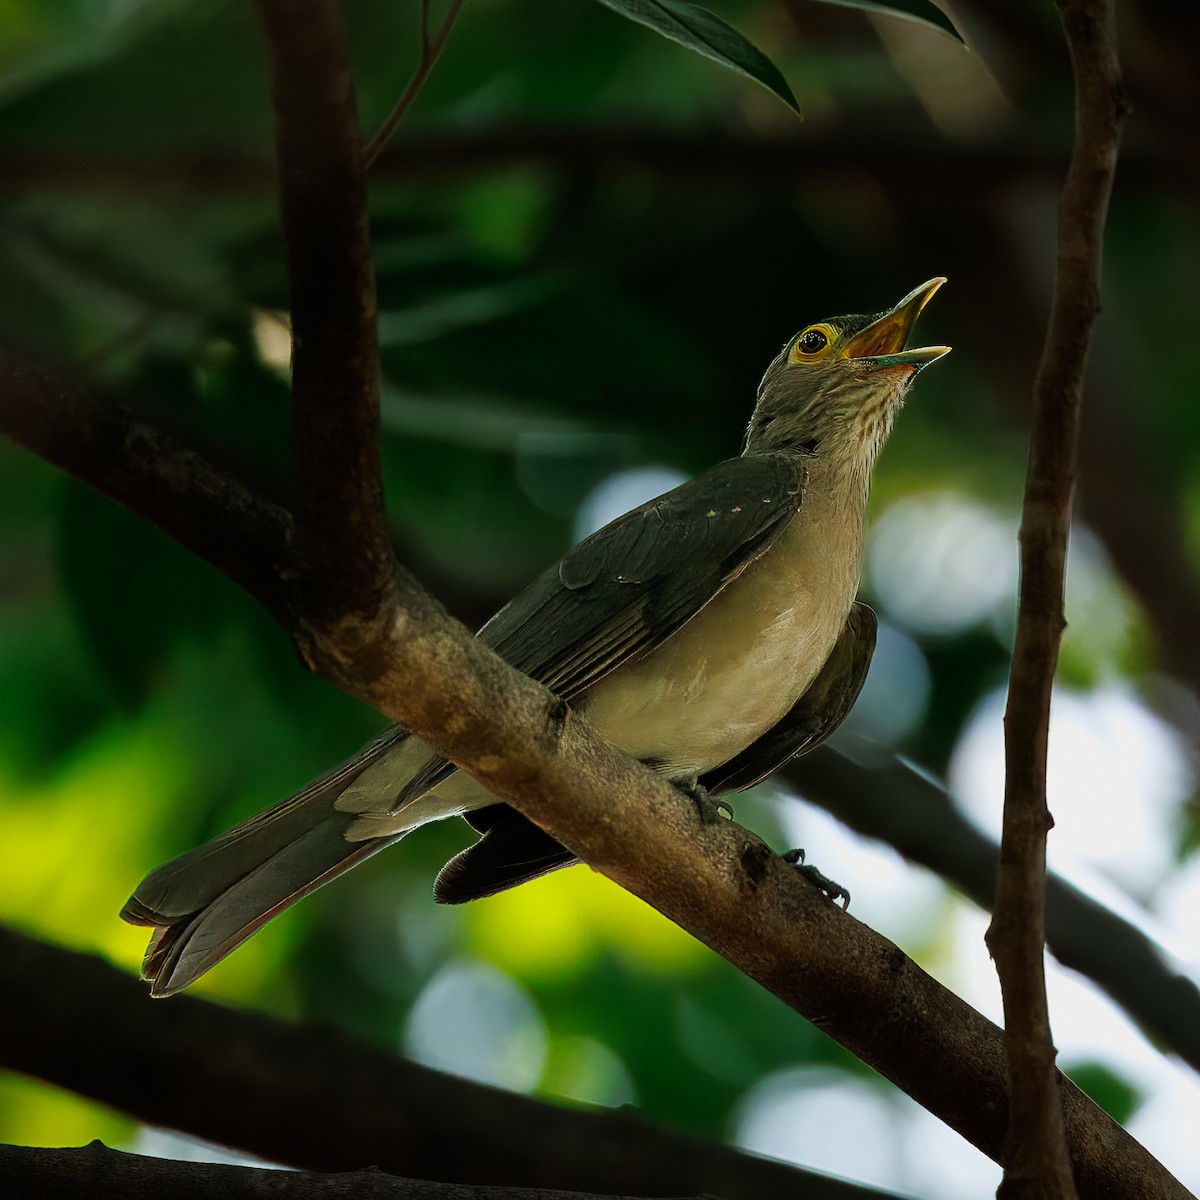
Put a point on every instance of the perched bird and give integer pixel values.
(713, 633)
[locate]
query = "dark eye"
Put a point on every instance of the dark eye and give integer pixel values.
(812, 341)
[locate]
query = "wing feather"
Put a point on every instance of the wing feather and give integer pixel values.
(628, 587)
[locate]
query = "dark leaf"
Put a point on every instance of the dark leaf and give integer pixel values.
(706, 34)
(924, 12)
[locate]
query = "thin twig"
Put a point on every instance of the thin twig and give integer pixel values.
(431, 49)
(1036, 1157)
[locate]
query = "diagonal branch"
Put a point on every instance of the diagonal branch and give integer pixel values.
(100, 442)
(921, 820)
(98, 1172)
(320, 1099)
(1036, 1158)
(718, 882)
(104, 444)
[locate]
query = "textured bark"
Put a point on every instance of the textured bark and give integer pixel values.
(343, 559)
(920, 819)
(97, 1172)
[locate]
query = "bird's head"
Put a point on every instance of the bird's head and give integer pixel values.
(835, 389)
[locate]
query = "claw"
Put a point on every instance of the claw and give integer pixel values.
(709, 810)
(825, 885)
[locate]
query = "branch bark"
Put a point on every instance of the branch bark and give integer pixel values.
(922, 821)
(343, 556)
(99, 1172)
(1037, 1160)
(100, 441)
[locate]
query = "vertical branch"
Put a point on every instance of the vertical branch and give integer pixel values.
(344, 557)
(1036, 1161)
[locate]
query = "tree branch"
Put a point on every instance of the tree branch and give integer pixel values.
(319, 1099)
(124, 457)
(733, 162)
(921, 820)
(96, 1171)
(1037, 1160)
(719, 882)
(343, 555)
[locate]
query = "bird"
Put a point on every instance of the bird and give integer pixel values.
(712, 632)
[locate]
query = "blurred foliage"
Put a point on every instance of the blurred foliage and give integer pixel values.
(1106, 1087)
(588, 244)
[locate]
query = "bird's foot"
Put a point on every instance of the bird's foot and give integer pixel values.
(709, 809)
(825, 885)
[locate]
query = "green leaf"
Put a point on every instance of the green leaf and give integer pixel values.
(923, 12)
(709, 36)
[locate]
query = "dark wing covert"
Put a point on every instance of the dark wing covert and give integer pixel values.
(628, 587)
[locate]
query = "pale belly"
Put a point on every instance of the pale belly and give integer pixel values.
(730, 674)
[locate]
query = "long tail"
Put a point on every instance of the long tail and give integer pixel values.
(207, 902)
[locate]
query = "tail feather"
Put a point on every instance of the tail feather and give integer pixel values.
(512, 850)
(184, 948)
(208, 901)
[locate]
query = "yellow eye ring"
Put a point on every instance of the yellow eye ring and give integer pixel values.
(811, 345)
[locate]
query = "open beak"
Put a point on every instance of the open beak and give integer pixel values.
(882, 342)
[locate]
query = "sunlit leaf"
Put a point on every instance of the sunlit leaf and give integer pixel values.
(706, 34)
